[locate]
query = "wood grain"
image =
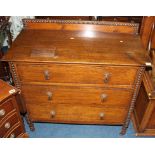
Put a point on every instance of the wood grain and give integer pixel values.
(104, 26)
(77, 113)
(83, 74)
(76, 95)
(144, 112)
(86, 47)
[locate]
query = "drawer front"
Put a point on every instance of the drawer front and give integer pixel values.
(77, 114)
(87, 74)
(151, 122)
(76, 95)
(6, 108)
(8, 124)
(15, 132)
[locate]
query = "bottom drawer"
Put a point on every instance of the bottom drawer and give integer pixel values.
(77, 114)
(15, 132)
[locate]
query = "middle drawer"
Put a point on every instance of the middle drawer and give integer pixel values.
(45, 94)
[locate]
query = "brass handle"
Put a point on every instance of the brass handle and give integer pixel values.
(12, 135)
(106, 77)
(7, 125)
(49, 94)
(101, 115)
(46, 74)
(53, 113)
(104, 97)
(2, 112)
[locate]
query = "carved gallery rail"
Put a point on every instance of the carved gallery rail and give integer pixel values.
(82, 72)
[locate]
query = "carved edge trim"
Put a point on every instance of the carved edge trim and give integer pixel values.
(133, 101)
(79, 22)
(135, 25)
(18, 85)
(14, 75)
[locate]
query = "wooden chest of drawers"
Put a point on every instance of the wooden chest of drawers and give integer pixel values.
(144, 112)
(11, 125)
(78, 72)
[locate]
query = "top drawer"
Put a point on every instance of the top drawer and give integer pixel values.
(73, 73)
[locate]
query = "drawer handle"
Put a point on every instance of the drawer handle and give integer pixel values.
(53, 113)
(101, 115)
(2, 112)
(49, 94)
(104, 97)
(46, 74)
(12, 135)
(106, 77)
(7, 125)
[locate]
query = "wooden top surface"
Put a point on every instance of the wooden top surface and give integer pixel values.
(6, 90)
(81, 46)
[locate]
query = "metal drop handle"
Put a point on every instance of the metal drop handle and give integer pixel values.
(7, 125)
(53, 113)
(106, 77)
(49, 94)
(101, 115)
(104, 97)
(2, 112)
(46, 74)
(12, 135)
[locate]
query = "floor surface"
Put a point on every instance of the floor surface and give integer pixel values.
(49, 130)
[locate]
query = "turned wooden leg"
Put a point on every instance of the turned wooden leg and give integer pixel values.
(133, 101)
(123, 131)
(29, 122)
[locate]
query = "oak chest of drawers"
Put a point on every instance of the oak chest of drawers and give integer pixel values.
(78, 71)
(11, 125)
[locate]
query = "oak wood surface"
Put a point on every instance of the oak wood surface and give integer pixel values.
(151, 123)
(76, 113)
(142, 103)
(144, 112)
(78, 47)
(73, 73)
(76, 95)
(145, 32)
(75, 25)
